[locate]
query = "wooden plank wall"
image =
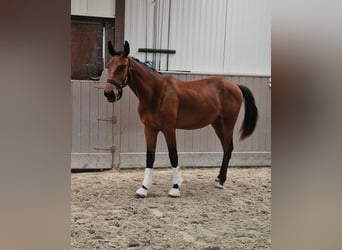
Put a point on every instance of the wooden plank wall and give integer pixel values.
(88, 105)
(128, 133)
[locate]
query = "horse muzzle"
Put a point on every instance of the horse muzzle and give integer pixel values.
(113, 95)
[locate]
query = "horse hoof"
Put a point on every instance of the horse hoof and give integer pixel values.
(174, 192)
(219, 185)
(141, 193)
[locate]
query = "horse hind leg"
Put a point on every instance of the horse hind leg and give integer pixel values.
(225, 134)
(227, 153)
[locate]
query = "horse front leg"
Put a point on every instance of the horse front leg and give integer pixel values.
(170, 137)
(151, 142)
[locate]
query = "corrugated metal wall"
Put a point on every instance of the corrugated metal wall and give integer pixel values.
(230, 36)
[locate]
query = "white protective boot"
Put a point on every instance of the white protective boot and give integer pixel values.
(218, 184)
(147, 183)
(177, 179)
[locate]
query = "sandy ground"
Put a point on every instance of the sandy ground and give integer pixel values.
(107, 215)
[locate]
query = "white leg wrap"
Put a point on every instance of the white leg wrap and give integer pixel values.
(142, 192)
(177, 178)
(147, 182)
(174, 192)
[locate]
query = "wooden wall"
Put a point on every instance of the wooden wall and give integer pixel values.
(127, 134)
(89, 104)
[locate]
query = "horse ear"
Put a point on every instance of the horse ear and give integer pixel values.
(126, 48)
(111, 48)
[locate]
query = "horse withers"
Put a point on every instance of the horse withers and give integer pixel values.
(167, 104)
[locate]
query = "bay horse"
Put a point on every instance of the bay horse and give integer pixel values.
(167, 104)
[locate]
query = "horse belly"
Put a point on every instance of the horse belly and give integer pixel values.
(195, 119)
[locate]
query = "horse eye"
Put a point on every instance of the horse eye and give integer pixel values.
(120, 68)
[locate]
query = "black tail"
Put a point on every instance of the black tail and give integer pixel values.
(251, 113)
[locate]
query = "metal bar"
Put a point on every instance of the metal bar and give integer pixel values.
(154, 31)
(109, 148)
(162, 51)
(99, 87)
(107, 118)
(168, 36)
(113, 148)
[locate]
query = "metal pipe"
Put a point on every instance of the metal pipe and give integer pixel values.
(154, 30)
(161, 31)
(157, 51)
(146, 37)
(225, 36)
(168, 37)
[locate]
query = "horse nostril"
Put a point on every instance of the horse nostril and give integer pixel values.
(109, 94)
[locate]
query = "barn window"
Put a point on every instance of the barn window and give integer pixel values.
(88, 53)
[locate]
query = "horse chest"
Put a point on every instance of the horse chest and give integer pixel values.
(149, 118)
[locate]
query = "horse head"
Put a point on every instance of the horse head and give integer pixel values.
(118, 72)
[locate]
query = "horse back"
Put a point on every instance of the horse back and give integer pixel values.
(202, 89)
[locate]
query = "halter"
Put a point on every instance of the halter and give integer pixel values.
(117, 84)
(120, 85)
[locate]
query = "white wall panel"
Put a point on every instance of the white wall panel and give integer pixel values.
(198, 44)
(248, 37)
(136, 26)
(218, 36)
(97, 8)
(140, 29)
(79, 7)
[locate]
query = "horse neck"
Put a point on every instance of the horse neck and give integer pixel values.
(144, 81)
